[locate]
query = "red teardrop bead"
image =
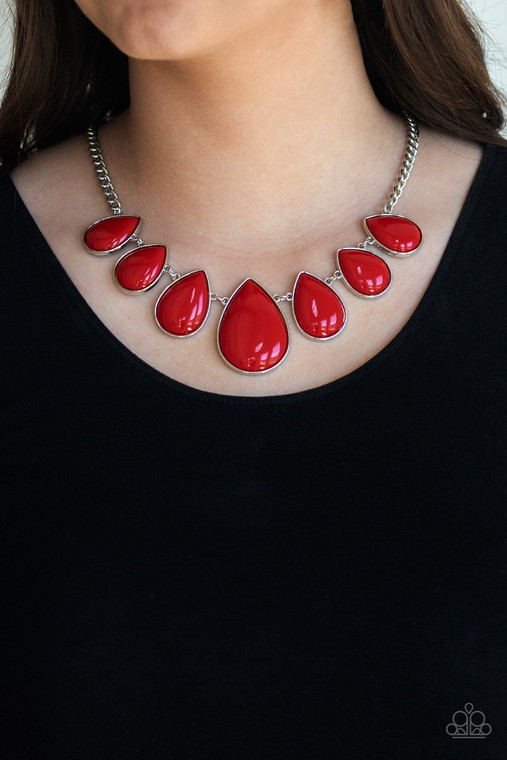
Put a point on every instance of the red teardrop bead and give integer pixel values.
(396, 234)
(140, 269)
(364, 272)
(318, 309)
(253, 334)
(110, 233)
(184, 305)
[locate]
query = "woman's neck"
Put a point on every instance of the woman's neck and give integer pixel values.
(257, 145)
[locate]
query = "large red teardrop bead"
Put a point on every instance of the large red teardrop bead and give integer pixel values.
(365, 273)
(318, 310)
(252, 334)
(141, 268)
(109, 234)
(396, 234)
(184, 305)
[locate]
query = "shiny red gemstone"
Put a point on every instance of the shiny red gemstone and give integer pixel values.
(110, 233)
(318, 310)
(140, 269)
(396, 234)
(253, 334)
(364, 272)
(184, 305)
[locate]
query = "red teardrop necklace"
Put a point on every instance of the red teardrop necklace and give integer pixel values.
(253, 335)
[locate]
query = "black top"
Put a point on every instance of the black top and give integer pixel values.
(317, 576)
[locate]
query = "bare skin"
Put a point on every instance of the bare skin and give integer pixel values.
(253, 147)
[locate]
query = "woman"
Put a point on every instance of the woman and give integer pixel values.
(302, 558)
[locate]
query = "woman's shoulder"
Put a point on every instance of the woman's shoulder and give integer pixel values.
(51, 173)
(49, 190)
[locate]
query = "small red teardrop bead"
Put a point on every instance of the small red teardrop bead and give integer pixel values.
(318, 309)
(110, 233)
(395, 233)
(184, 305)
(363, 271)
(140, 269)
(253, 334)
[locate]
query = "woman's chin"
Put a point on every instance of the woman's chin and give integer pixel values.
(180, 29)
(165, 29)
(158, 35)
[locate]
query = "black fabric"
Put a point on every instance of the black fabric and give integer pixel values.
(315, 576)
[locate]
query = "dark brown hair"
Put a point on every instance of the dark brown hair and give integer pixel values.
(422, 56)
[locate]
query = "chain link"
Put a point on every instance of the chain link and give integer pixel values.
(138, 240)
(103, 176)
(169, 270)
(221, 299)
(337, 275)
(406, 166)
(369, 241)
(394, 196)
(287, 297)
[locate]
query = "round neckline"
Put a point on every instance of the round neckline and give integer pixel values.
(445, 265)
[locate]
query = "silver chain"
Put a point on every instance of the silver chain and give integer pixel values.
(102, 174)
(406, 166)
(394, 196)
